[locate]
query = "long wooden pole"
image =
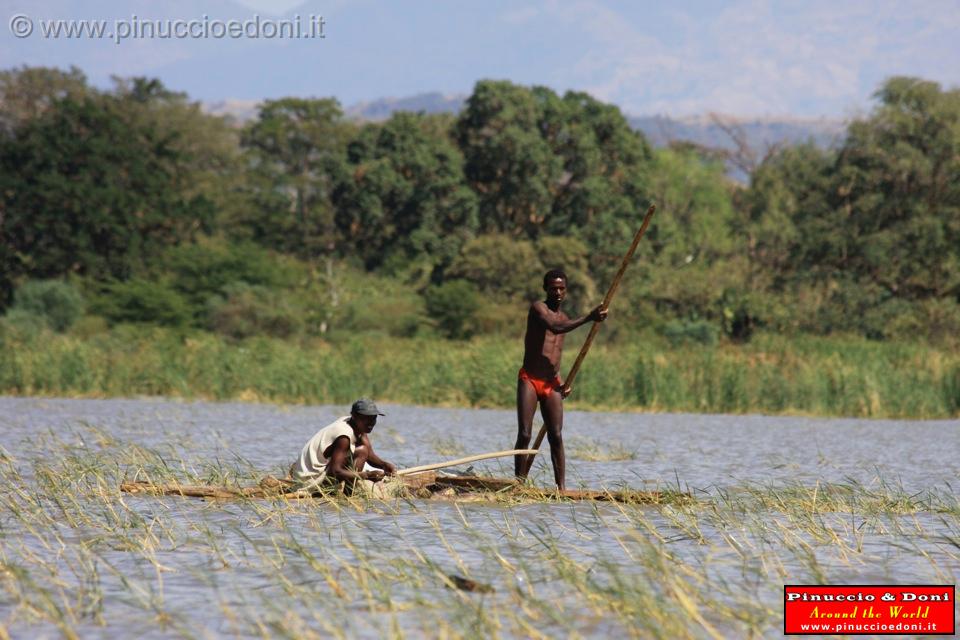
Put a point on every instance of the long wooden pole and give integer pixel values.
(595, 328)
(453, 463)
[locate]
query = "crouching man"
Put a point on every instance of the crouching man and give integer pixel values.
(336, 455)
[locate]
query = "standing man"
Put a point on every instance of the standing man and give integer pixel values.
(336, 454)
(539, 379)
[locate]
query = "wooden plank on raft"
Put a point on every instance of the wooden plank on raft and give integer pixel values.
(196, 491)
(430, 483)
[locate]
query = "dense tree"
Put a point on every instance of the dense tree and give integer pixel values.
(26, 93)
(209, 161)
(85, 189)
(685, 263)
(403, 199)
(155, 202)
(500, 265)
(782, 216)
(296, 153)
(605, 162)
(207, 268)
(898, 192)
(542, 164)
(508, 161)
(855, 238)
(695, 209)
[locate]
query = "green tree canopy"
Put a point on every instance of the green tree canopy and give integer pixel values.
(784, 213)
(689, 257)
(508, 161)
(84, 188)
(209, 161)
(542, 164)
(403, 198)
(605, 162)
(500, 266)
(898, 192)
(26, 93)
(296, 153)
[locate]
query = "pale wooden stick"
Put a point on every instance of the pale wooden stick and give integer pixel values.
(453, 463)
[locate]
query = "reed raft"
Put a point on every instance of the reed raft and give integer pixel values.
(428, 485)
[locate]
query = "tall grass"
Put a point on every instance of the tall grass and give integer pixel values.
(772, 374)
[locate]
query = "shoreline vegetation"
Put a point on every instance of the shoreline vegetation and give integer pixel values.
(148, 248)
(773, 375)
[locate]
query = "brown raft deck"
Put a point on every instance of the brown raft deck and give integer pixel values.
(424, 485)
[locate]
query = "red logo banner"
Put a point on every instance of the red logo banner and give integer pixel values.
(869, 609)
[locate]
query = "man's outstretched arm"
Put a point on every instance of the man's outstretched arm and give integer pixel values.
(376, 461)
(559, 323)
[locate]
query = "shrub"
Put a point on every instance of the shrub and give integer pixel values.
(933, 319)
(22, 323)
(739, 314)
(143, 301)
(453, 307)
(397, 314)
(856, 307)
(366, 302)
(205, 269)
(248, 311)
(500, 265)
(57, 302)
(89, 326)
(679, 332)
(501, 318)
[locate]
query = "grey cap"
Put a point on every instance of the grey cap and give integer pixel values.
(365, 407)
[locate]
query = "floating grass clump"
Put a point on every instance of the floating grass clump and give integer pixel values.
(448, 447)
(585, 449)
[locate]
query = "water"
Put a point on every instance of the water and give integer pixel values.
(699, 451)
(241, 569)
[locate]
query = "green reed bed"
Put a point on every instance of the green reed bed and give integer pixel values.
(771, 374)
(77, 558)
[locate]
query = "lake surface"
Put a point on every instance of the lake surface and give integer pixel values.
(248, 570)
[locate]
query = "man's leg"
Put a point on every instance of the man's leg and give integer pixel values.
(551, 408)
(359, 459)
(360, 455)
(526, 407)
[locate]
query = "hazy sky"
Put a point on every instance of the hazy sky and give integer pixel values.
(745, 57)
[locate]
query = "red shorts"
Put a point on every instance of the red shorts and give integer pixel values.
(543, 387)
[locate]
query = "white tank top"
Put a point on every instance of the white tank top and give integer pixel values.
(312, 464)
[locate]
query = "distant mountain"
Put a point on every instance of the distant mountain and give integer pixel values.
(713, 131)
(239, 110)
(719, 131)
(383, 108)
